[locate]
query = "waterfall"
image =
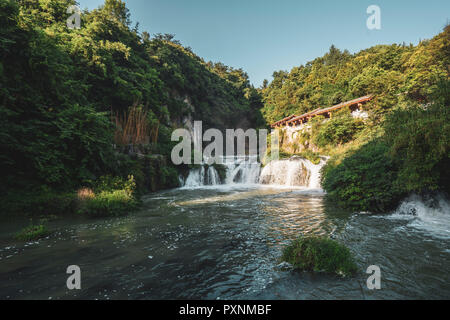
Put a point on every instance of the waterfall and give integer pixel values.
(314, 169)
(201, 177)
(247, 171)
(292, 172)
(196, 177)
(239, 170)
(212, 177)
(242, 170)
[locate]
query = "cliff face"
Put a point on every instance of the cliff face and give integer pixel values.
(296, 139)
(300, 138)
(220, 96)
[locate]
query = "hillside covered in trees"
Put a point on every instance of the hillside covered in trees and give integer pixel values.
(95, 108)
(402, 147)
(395, 74)
(72, 101)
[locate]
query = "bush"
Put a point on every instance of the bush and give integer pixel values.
(127, 166)
(113, 196)
(169, 178)
(42, 202)
(314, 157)
(109, 203)
(110, 183)
(419, 140)
(32, 232)
(338, 130)
(364, 180)
(320, 255)
(412, 157)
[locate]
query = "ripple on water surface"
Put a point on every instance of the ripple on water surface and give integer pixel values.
(225, 243)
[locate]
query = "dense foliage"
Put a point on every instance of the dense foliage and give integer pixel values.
(411, 157)
(70, 99)
(108, 203)
(395, 74)
(403, 147)
(60, 90)
(419, 140)
(320, 255)
(363, 181)
(338, 130)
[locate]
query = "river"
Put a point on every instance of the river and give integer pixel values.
(225, 242)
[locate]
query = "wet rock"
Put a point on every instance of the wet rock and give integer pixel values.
(285, 266)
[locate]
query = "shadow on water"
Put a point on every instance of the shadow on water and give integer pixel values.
(221, 243)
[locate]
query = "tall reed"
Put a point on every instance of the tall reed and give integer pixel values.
(132, 127)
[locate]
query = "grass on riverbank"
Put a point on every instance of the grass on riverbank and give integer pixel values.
(320, 254)
(32, 232)
(109, 203)
(108, 196)
(111, 196)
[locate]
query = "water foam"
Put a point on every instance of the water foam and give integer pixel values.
(246, 172)
(429, 215)
(242, 170)
(292, 172)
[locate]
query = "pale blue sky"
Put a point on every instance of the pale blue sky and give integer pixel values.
(263, 36)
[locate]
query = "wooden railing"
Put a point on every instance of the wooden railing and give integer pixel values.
(297, 120)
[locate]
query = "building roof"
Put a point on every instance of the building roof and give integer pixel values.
(319, 111)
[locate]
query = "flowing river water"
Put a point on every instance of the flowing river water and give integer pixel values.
(225, 242)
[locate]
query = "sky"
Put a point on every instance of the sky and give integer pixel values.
(262, 36)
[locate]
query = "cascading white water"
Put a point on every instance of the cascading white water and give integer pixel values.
(242, 170)
(239, 170)
(201, 177)
(196, 177)
(430, 215)
(292, 172)
(247, 171)
(314, 169)
(212, 177)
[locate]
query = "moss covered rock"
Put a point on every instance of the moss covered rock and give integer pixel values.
(320, 254)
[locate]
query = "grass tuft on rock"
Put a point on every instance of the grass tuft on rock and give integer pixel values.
(32, 232)
(320, 254)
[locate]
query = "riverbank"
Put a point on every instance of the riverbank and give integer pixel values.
(135, 175)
